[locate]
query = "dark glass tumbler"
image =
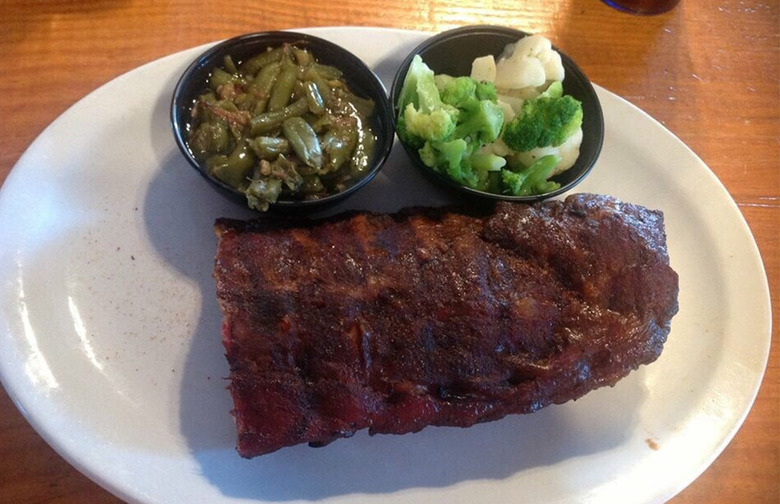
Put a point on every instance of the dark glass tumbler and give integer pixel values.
(643, 6)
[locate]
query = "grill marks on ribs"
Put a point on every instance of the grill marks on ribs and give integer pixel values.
(431, 317)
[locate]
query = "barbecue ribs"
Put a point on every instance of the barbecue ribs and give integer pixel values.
(434, 317)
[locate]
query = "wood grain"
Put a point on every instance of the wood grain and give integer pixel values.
(708, 71)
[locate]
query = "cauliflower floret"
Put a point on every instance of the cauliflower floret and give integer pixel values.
(519, 73)
(568, 152)
(484, 69)
(529, 63)
(530, 46)
(553, 65)
(510, 105)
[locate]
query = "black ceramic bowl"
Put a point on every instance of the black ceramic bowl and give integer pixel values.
(452, 52)
(362, 81)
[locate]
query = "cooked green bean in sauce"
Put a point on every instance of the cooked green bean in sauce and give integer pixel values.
(282, 125)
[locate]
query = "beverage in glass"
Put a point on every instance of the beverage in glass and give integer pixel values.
(643, 6)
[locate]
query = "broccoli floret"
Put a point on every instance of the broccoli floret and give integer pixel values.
(480, 120)
(543, 121)
(532, 180)
(454, 89)
(442, 80)
(451, 158)
(486, 91)
(513, 182)
(435, 125)
(490, 182)
(554, 90)
(457, 160)
(488, 168)
(459, 91)
(417, 70)
(423, 116)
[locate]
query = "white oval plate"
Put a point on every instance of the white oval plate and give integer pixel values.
(110, 341)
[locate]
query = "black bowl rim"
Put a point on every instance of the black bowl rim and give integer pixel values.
(384, 112)
(486, 29)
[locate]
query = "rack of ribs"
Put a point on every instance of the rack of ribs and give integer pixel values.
(395, 322)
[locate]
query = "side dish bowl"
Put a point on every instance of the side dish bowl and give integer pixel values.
(452, 52)
(360, 78)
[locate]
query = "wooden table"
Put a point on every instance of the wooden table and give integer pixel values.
(708, 71)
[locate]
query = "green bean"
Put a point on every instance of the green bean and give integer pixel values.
(327, 71)
(320, 124)
(253, 65)
(286, 171)
(225, 110)
(229, 65)
(303, 141)
(264, 79)
(363, 106)
(314, 98)
(263, 191)
(269, 121)
(209, 138)
(235, 169)
(299, 90)
(245, 101)
(269, 147)
(220, 77)
(207, 97)
(283, 89)
(263, 83)
(224, 105)
(228, 92)
(313, 75)
(339, 144)
(302, 57)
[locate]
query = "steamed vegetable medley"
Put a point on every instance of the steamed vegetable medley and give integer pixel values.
(281, 124)
(506, 129)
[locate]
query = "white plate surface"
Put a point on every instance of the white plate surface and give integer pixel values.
(110, 345)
